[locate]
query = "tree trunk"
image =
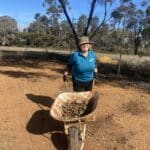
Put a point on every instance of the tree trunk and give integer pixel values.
(90, 16)
(70, 23)
(137, 43)
(135, 49)
(119, 66)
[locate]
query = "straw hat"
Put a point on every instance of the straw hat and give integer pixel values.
(84, 40)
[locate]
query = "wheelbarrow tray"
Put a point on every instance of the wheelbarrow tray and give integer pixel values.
(89, 97)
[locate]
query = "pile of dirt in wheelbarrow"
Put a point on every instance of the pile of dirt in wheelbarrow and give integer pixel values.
(74, 109)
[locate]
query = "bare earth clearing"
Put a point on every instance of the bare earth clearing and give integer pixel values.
(27, 91)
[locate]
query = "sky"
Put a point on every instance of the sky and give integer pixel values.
(24, 10)
(21, 10)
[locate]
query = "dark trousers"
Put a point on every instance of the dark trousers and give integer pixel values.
(82, 86)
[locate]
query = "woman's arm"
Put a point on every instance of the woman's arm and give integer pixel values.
(68, 67)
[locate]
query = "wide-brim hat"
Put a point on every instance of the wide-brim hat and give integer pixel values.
(85, 40)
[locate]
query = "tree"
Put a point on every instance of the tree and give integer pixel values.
(55, 9)
(146, 29)
(117, 16)
(40, 24)
(94, 24)
(8, 28)
(120, 15)
(104, 18)
(128, 17)
(135, 23)
(39, 27)
(93, 3)
(63, 5)
(81, 24)
(90, 16)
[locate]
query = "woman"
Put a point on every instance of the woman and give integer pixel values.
(82, 64)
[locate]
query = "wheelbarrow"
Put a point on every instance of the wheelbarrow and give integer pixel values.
(75, 128)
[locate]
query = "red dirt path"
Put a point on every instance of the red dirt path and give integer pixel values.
(27, 90)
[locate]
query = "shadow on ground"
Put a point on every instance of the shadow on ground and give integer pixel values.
(20, 62)
(40, 99)
(60, 141)
(29, 58)
(28, 75)
(121, 81)
(21, 74)
(41, 122)
(127, 71)
(59, 70)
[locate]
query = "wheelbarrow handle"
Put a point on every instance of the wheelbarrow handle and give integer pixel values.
(93, 84)
(66, 86)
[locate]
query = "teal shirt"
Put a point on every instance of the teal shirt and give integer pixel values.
(83, 67)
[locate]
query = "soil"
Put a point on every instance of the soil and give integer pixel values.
(27, 91)
(73, 109)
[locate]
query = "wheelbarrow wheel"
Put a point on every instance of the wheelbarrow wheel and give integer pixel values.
(74, 141)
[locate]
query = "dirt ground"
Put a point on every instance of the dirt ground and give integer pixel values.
(27, 90)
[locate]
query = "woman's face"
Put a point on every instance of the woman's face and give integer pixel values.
(85, 47)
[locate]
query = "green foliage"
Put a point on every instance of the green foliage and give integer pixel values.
(8, 28)
(81, 24)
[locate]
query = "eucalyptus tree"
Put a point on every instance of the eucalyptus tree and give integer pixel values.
(94, 24)
(37, 34)
(104, 19)
(119, 16)
(56, 9)
(65, 34)
(135, 23)
(8, 30)
(146, 30)
(40, 24)
(128, 17)
(81, 24)
(92, 8)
